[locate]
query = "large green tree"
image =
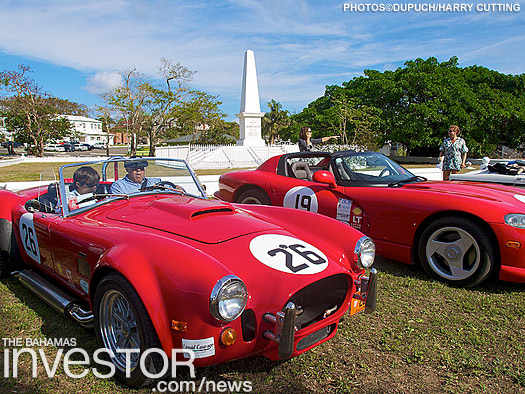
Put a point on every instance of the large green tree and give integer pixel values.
(415, 104)
(128, 99)
(200, 112)
(32, 114)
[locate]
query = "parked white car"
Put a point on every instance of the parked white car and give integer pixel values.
(54, 148)
(80, 147)
(99, 145)
(511, 173)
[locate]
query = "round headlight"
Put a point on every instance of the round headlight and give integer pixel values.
(515, 220)
(228, 298)
(365, 250)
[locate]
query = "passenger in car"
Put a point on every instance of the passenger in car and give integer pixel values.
(85, 182)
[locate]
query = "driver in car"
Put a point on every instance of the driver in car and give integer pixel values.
(134, 180)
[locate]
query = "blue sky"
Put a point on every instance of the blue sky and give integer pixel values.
(77, 48)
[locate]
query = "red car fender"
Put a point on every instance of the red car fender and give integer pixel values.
(230, 188)
(8, 200)
(161, 280)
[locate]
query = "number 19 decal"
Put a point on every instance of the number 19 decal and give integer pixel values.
(287, 254)
(301, 197)
(28, 236)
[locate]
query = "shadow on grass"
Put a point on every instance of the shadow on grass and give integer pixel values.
(54, 325)
(395, 268)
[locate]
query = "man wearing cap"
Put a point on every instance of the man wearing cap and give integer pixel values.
(135, 179)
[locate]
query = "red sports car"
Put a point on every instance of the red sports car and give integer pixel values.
(134, 248)
(459, 231)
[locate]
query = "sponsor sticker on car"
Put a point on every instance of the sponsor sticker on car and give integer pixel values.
(201, 347)
(357, 306)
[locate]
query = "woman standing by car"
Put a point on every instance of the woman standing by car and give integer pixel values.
(306, 141)
(453, 152)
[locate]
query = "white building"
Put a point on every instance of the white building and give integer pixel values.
(3, 131)
(88, 130)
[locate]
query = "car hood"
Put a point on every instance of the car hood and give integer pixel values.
(200, 220)
(484, 191)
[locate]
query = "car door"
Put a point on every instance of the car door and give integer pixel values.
(35, 240)
(318, 197)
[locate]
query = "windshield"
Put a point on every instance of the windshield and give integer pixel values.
(370, 167)
(88, 184)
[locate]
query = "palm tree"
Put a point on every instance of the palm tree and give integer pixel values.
(274, 120)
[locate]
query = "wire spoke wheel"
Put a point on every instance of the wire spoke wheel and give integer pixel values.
(119, 329)
(123, 326)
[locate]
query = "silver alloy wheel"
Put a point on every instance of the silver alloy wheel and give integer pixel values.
(251, 200)
(119, 329)
(453, 253)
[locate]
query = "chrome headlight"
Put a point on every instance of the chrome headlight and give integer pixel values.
(365, 250)
(228, 298)
(515, 220)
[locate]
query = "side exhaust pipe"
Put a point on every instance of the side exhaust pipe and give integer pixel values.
(54, 297)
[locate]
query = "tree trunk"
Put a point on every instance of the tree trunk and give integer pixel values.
(132, 145)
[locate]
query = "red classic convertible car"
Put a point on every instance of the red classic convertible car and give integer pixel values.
(459, 231)
(134, 248)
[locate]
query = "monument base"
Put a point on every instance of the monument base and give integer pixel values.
(250, 129)
(251, 142)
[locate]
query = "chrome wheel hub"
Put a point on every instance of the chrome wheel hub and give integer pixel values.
(453, 253)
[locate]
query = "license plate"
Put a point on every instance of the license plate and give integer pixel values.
(356, 306)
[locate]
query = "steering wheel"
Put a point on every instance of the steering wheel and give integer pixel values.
(382, 173)
(171, 185)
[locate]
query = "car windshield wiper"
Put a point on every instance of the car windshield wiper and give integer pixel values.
(415, 178)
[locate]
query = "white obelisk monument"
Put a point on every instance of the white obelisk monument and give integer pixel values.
(250, 114)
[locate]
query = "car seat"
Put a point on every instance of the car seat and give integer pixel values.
(301, 170)
(49, 200)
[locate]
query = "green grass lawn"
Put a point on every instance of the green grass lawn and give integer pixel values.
(26, 172)
(425, 337)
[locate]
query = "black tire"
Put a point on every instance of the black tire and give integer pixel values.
(113, 292)
(457, 251)
(254, 196)
(10, 260)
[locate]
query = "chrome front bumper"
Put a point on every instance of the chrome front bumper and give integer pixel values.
(284, 321)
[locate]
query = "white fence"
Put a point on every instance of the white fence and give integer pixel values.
(224, 156)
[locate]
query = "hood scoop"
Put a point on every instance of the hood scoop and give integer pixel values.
(213, 210)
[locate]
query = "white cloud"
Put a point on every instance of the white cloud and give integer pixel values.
(103, 82)
(300, 45)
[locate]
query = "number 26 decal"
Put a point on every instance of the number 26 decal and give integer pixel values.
(288, 254)
(28, 236)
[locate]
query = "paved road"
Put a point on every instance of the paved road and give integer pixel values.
(113, 151)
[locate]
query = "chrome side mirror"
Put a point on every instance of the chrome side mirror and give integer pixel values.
(32, 206)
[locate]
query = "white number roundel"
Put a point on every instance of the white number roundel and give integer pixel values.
(288, 254)
(28, 236)
(301, 197)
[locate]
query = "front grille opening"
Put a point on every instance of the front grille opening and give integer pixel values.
(320, 299)
(248, 325)
(315, 337)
